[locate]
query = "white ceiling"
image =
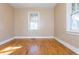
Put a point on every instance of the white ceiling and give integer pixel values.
(32, 5)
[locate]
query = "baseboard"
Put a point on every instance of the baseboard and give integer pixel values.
(32, 37)
(74, 49)
(5, 41)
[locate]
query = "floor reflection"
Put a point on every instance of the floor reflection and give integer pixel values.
(34, 49)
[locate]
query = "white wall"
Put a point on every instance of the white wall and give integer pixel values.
(6, 22)
(46, 22)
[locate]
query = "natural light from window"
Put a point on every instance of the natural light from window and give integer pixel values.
(73, 17)
(33, 21)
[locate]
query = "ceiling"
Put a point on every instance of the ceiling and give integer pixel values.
(33, 5)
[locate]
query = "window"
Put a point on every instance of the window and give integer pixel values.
(33, 21)
(73, 21)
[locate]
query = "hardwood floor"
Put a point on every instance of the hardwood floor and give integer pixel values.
(34, 47)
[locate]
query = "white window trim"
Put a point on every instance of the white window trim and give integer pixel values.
(68, 14)
(29, 20)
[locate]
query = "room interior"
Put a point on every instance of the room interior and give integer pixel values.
(46, 35)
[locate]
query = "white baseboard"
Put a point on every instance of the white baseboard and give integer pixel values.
(5, 41)
(74, 49)
(32, 37)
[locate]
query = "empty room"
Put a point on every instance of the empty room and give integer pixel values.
(39, 28)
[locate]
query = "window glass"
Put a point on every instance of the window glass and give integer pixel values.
(75, 18)
(33, 21)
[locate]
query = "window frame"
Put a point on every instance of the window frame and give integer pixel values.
(68, 19)
(29, 19)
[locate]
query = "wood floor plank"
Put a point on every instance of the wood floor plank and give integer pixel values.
(35, 47)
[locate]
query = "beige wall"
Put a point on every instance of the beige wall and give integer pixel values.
(46, 22)
(6, 22)
(60, 26)
(15, 22)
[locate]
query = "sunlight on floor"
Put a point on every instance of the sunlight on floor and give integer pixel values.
(6, 53)
(9, 50)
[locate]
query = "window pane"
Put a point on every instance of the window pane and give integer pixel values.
(73, 17)
(33, 21)
(77, 6)
(75, 22)
(33, 25)
(73, 7)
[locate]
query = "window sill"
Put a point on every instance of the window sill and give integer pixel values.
(72, 33)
